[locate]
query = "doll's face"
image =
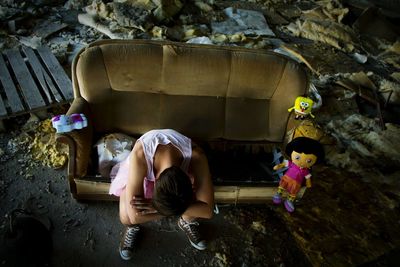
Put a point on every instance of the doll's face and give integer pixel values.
(303, 160)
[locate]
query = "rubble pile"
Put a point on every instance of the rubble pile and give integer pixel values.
(323, 24)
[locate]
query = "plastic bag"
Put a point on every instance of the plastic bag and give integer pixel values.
(112, 149)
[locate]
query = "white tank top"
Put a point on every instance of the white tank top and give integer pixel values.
(153, 138)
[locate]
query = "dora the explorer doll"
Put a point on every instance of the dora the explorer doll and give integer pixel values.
(304, 152)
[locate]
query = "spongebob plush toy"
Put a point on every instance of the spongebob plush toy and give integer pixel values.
(302, 107)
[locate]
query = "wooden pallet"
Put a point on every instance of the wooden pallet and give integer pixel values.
(31, 81)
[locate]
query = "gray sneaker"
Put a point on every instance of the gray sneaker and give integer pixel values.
(192, 232)
(128, 241)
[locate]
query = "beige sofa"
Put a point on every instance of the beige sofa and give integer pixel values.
(209, 93)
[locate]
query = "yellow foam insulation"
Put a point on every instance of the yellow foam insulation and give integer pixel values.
(222, 260)
(391, 55)
(103, 10)
(258, 227)
(39, 140)
(395, 48)
(332, 33)
(387, 88)
(191, 31)
(158, 32)
(327, 10)
(203, 6)
(323, 24)
(396, 76)
(44, 147)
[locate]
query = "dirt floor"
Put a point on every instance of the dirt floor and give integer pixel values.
(351, 216)
(88, 234)
(341, 222)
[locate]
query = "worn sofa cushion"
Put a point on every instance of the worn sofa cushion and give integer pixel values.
(206, 92)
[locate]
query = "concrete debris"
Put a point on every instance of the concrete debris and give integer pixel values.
(166, 9)
(205, 7)
(360, 58)
(76, 4)
(239, 21)
(367, 149)
(390, 91)
(71, 223)
(200, 40)
(123, 20)
(33, 42)
(90, 241)
(91, 21)
(258, 227)
(47, 28)
(132, 16)
(221, 260)
(8, 12)
(321, 59)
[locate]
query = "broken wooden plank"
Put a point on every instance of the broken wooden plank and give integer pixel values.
(45, 81)
(13, 99)
(29, 83)
(37, 69)
(29, 89)
(57, 72)
(46, 28)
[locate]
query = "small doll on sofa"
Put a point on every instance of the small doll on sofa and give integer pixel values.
(304, 152)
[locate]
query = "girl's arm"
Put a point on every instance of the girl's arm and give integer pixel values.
(139, 210)
(204, 204)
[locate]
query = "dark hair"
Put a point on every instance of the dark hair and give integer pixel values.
(307, 146)
(173, 192)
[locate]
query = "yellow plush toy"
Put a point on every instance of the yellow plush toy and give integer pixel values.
(302, 107)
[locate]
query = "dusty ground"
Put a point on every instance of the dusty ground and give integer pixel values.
(88, 234)
(351, 217)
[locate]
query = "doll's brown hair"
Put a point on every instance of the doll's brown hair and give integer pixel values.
(307, 146)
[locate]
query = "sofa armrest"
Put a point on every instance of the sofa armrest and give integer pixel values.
(79, 143)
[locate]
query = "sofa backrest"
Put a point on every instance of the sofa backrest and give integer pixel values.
(203, 91)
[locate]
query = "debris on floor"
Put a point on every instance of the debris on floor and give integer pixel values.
(352, 50)
(38, 140)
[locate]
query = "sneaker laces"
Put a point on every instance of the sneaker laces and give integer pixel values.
(191, 228)
(130, 236)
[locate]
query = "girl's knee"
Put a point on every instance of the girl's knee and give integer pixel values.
(124, 219)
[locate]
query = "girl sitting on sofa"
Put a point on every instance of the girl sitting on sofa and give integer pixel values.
(166, 174)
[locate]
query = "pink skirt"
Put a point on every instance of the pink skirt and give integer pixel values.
(119, 178)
